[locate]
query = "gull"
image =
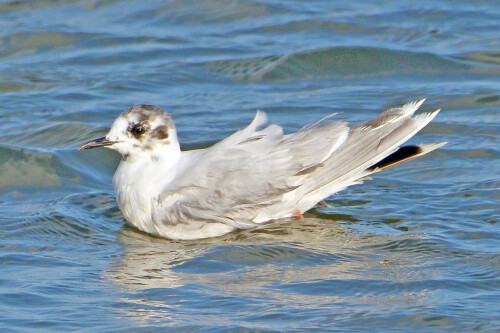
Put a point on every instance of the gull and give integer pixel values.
(255, 175)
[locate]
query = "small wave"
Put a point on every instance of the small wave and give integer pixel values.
(41, 169)
(20, 167)
(48, 156)
(53, 219)
(467, 102)
(54, 136)
(344, 62)
(485, 57)
(232, 257)
(27, 43)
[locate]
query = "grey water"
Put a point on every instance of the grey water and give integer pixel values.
(416, 249)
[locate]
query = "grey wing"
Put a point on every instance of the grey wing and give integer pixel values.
(237, 180)
(258, 175)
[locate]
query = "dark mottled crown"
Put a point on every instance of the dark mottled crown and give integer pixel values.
(148, 122)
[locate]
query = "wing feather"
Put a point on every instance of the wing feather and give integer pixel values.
(258, 173)
(248, 171)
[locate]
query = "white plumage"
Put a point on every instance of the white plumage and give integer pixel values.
(255, 175)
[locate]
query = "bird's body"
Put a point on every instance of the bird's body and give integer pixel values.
(255, 175)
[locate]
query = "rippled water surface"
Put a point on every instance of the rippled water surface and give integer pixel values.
(414, 250)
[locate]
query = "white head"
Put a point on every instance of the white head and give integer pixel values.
(140, 130)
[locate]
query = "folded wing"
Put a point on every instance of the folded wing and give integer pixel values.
(236, 179)
(258, 173)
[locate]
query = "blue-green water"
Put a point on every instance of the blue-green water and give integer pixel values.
(415, 250)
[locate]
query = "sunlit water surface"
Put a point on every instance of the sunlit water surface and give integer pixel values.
(416, 249)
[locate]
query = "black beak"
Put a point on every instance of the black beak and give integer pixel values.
(101, 142)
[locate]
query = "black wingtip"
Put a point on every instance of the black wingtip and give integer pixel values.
(400, 155)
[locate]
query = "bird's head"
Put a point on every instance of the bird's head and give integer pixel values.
(141, 129)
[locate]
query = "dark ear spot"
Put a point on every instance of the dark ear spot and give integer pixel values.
(161, 133)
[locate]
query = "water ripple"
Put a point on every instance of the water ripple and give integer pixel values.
(344, 62)
(414, 250)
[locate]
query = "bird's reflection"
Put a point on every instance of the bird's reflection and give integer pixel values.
(150, 262)
(280, 260)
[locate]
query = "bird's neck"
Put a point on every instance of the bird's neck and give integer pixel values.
(144, 175)
(139, 181)
(147, 171)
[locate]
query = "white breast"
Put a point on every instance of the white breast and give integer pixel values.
(137, 185)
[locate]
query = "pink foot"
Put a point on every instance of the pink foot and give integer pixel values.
(297, 215)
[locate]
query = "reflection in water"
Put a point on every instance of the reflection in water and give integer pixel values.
(307, 264)
(150, 262)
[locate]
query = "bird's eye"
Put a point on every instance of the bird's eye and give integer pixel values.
(137, 130)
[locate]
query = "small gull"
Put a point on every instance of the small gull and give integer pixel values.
(255, 175)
